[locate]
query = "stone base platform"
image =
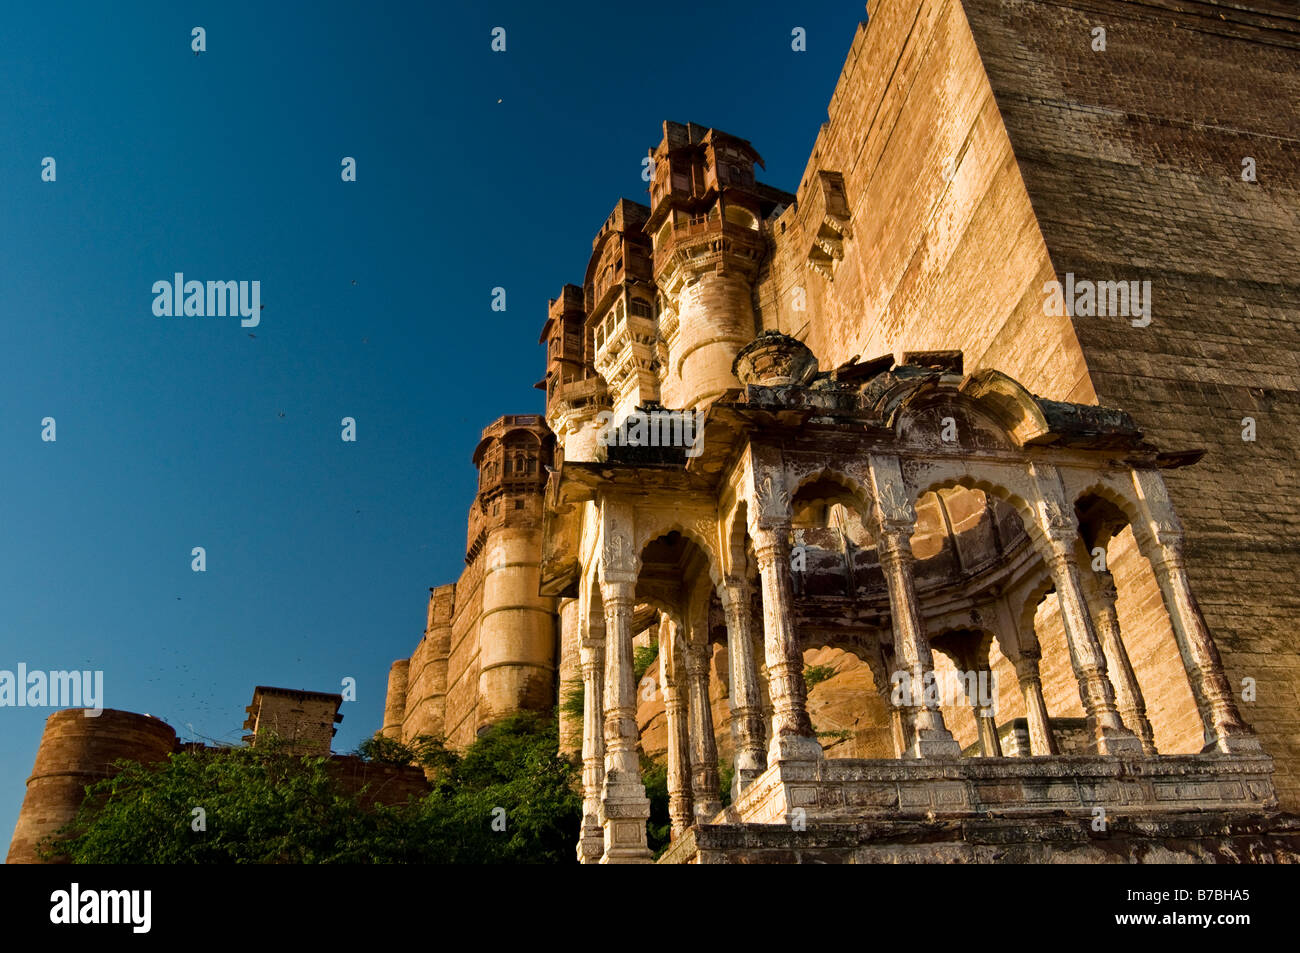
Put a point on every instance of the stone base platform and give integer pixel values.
(1200, 837)
(1203, 808)
(839, 790)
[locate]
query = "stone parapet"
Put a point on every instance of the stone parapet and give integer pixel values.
(846, 790)
(1204, 837)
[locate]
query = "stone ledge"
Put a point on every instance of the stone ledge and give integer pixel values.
(849, 790)
(1190, 837)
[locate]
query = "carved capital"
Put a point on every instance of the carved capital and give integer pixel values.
(772, 499)
(734, 594)
(617, 561)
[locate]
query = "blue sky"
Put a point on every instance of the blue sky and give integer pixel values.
(475, 169)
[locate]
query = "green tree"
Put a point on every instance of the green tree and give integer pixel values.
(509, 798)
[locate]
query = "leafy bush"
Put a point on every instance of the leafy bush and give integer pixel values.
(262, 805)
(643, 656)
(573, 704)
(816, 674)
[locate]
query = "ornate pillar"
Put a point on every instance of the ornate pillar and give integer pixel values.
(792, 738)
(1099, 590)
(1060, 533)
(704, 747)
(895, 520)
(1022, 651)
(626, 807)
(1041, 740)
(899, 730)
(591, 840)
(1161, 540)
(746, 705)
(680, 808)
(570, 670)
(978, 674)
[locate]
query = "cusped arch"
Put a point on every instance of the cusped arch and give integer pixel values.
(1033, 597)
(1102, 489)
(992, 486)
(735, 526)
(652, 530)
(853, 487)
(987, 637)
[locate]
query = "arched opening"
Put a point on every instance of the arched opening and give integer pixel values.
(680, 665)
(1151, 685)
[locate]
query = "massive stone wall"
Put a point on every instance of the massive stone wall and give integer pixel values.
(986, 148)
(1132, 159)
(944, 250)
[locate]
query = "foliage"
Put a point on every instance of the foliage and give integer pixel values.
(816, 674)
(573, 704)
(659, 829)
(839, 734)
(726, 773)
(426, 751)
(643, 656)
(263, 805)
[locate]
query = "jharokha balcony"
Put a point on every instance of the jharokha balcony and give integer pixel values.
(916, 518)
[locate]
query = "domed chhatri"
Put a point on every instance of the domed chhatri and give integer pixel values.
(774, 359)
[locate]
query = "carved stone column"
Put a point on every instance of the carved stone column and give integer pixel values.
(704, 747)
(1099, 590)
(569, 671)
(671, 676)
(930, 737)
(1160, 536)
(898, 730)
(1041, 740)
(1224, 729)
(746, 704)
(1086, 654)
(985, 718)
(894, 519)
(626, 807)
(792, 738)
(591, 840)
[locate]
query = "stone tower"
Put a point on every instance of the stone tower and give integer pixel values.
(619, 299)
(706, 210)
(301, 720)
(517, 628)
(489, 645)
(77, 750)
(575, 393)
